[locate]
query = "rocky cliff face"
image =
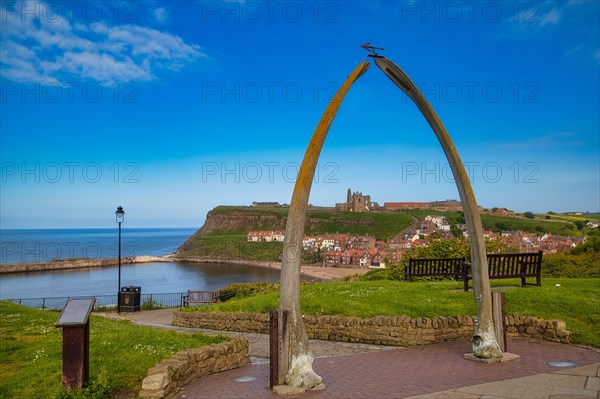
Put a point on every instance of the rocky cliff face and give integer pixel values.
(240, 223)
(234, 223)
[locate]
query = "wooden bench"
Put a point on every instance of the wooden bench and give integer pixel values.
(522, 265)
(200, 297)
(434, 267)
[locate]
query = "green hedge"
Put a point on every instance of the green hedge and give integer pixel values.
(568, 265)
(242, 290)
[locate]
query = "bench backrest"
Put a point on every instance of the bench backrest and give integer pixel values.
(435, 266)
(515, 264)
(202, 296)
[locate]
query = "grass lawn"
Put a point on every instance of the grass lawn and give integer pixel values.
(120, 353)
(575, 301)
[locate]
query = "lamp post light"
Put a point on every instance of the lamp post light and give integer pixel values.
(120, 217)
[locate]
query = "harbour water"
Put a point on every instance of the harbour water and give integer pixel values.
(158, 277)
(22, 246)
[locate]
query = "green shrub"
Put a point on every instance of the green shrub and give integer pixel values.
(565, 264)
(581, 261)
(242, 290)
(591, 246)
(152, 304)
(378, 274)
(396, 272)
(371, 275)
(453, 248)
(97, 389)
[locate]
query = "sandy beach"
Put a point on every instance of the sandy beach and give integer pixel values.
(313, 271)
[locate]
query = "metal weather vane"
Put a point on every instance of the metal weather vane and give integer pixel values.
(372, 49)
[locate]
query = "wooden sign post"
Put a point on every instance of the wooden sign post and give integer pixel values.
(74, 320)
(278, 346)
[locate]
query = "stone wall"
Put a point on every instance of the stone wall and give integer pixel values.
(538, 328)
(381, 330)
(165, 379)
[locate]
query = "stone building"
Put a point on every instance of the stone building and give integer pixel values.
(355, 202)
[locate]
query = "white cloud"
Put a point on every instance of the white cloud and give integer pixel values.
(161, 15)
(41, 50)
(533, 20)
(573, 52)
(100, 67)
(569, 25)
(549, 18)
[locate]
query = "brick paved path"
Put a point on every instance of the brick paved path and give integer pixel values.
(397, 373)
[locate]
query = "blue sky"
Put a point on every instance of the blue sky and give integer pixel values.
(172, 108)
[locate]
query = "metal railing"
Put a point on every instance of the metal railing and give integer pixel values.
(106, 302)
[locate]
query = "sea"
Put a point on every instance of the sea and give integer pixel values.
(40, 245)
(43, 245)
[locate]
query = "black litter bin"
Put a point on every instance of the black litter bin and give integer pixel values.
(130, 298)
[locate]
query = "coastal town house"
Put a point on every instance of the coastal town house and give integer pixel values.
(332, 258)
(335, 242)
(360, 242)
(354, 257)
(310, 243)
(259, 236)
(278, 236)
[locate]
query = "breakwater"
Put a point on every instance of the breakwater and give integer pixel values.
(75, 263)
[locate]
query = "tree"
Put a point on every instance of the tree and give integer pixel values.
(502, 226)
(499, 246)
(456, 232)
(591, 246)
(529, 215)
(494, 209)
(453, 248)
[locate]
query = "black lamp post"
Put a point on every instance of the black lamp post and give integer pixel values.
(120, 216)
